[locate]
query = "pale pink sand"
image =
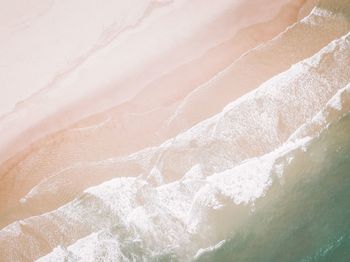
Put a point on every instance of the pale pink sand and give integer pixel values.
(161, 37)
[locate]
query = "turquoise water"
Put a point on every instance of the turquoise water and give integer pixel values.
(305, 216)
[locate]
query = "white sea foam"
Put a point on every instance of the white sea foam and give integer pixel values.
(171, 215)
(210, 249)
(340, 103)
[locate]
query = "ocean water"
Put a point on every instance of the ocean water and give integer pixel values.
(305, 217)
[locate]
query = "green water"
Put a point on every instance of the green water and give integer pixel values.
(306, 216)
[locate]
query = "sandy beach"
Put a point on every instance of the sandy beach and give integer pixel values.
(158, 129)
